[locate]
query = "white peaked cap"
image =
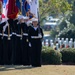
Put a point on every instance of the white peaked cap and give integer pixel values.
(34, 19)
(29, 22)
(25, 17)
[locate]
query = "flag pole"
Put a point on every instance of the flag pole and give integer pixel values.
(21, 6)
(38, 16)
(39, 21)
(21, 14)
(8, 32)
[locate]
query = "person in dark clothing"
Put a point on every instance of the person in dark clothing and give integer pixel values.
(2, 23)
(26, 48)
(7, 47)
(35, 35)
(25, 43)
(18, 51)
(14, 26)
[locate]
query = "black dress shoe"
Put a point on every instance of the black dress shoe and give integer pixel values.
(36, 65)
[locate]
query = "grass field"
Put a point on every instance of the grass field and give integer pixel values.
(44, 70)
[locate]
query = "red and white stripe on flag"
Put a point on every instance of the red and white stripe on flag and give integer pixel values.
(5, 8)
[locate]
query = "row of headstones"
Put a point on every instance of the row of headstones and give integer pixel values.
(59, 43)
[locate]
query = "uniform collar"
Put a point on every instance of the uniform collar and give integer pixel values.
(35, 28)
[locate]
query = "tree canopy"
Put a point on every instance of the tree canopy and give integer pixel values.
(48, 7)
(68, 29)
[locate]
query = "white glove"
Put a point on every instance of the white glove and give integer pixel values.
(40, 36)
(29, 44)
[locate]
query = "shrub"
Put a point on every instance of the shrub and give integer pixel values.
(55, 57)
(46, 55)
(68, 55)
(50, 56)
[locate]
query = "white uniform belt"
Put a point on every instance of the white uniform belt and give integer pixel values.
(13, 33)
(18, 35)
(10, 35)
(35, 37)
(25, 34)
(7, 35)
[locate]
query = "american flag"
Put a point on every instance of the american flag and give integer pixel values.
(5, 8)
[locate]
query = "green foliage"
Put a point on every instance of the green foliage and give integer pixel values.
(50, 56)
(68, 32)
(53, 33)
(48, 7)
(46, 49)
(62, 25)
(72, 18)
(46, 55)
(68, 55)
(55, 57)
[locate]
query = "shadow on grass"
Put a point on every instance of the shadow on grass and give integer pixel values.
(14, 67)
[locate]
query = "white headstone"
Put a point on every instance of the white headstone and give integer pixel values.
(58, 39)
(52, 45)
(70, 44)
(47, 44)
(65, 43)
(62, 39)
(51, 41)
(66, 39)
(71, 39)
(57, 46)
